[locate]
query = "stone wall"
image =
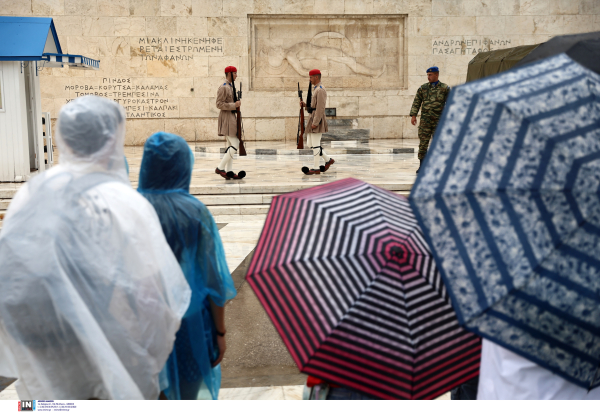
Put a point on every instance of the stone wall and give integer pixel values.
(163, 59)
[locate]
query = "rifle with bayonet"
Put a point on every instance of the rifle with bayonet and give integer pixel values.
(300, 134)
(240, 128)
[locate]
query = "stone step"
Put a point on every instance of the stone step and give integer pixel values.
(234, 199)
(347, 134)
(342, 122)
(239, 209)
(219, 200)
(338, 123)
(234, 188)
(330, 150)
(276, 188)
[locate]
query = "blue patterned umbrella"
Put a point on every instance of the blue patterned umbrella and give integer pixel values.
(509, 201)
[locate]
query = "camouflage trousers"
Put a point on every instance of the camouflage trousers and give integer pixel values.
(426, 132)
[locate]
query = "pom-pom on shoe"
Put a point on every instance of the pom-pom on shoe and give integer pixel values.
(240, 175)
(322, 169)
(305, 170)
(230, 175)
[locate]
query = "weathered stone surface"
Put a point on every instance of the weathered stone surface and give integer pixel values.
(207, 8)
(161, 26)
(77, 8)
(207, 130)
(180, 86)
(46, 7)
(387, 127)
(68, 25)
(113, 8)
(270, 129)
(447, 7)
(329, 6)
(495, 25)
(249, 125)
(185, 128)
(130, 66)
(192, 26)
(143, 129)
(461, 26)
(144, 7)
(98, 26)
(226, 26)
(161, 68)
(358, 6)
(534, 7)
(176, 7)
(238, 8)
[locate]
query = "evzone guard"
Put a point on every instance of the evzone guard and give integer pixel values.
(228, 104)
(317, 124)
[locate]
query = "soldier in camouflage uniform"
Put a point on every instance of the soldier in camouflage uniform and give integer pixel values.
(431, 99)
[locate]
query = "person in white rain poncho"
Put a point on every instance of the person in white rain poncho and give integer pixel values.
(91, 293)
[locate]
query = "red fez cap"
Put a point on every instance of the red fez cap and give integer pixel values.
(230, 69)
(314, 72)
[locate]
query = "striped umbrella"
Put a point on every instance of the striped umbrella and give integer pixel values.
(508, 198)
(345, 275)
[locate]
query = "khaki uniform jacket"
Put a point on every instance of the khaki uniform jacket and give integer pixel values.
(318, 100)
(431, 100)
(225, 103)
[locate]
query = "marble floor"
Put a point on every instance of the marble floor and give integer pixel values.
(269, 169)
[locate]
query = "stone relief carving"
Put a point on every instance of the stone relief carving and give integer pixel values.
(352, 52)
(277, 58)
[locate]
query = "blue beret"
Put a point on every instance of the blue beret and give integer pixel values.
(433, 69)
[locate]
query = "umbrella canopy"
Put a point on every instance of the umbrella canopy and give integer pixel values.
(583, 48)
(346, 277)
(508, 201)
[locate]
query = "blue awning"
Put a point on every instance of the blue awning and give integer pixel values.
(35, 38)
(72, 60)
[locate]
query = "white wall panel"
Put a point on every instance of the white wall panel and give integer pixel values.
(14, 157)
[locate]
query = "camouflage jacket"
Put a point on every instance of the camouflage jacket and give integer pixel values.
(431, 100)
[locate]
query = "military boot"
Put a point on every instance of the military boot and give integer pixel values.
(420, 164)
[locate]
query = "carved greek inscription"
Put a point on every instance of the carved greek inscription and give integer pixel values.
(139, 101)
(462, 46)
(176, 48)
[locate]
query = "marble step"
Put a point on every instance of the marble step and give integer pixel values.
(330, 150)
(275, 188)
(347, 134)
(338, 123)
(253, 199)
(267, 190)
(218, 210)
(244, 200)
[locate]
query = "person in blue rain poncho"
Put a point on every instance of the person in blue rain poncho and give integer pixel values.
(192, 370)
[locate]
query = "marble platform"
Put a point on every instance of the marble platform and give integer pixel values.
(343, 145)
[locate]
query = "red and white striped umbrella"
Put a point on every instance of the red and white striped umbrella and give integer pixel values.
(345, 275)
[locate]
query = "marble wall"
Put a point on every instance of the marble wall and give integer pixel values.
(163, 60)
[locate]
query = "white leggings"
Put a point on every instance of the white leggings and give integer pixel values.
(227, 162)
(313, 140)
